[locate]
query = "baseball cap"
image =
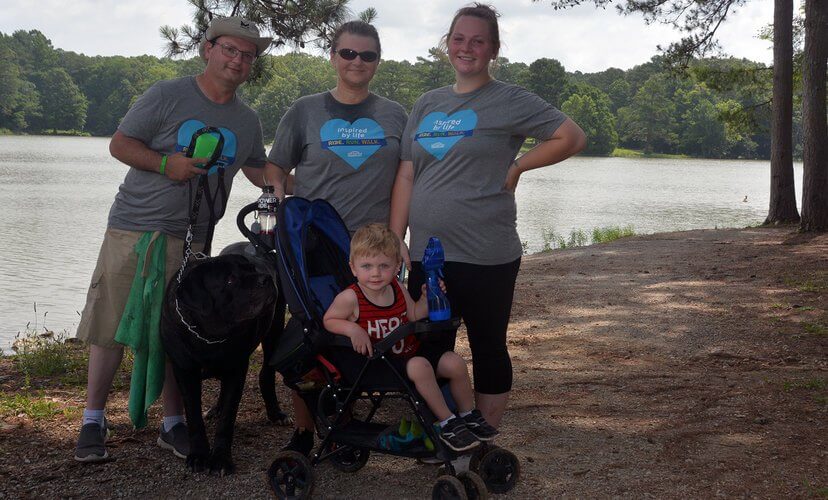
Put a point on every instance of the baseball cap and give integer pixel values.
(234, 26)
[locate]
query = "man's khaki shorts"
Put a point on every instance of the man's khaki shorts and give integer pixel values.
(112, 281)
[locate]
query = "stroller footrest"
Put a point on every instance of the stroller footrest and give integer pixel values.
(360, 434)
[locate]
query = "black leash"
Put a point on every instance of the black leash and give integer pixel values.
(203, 189)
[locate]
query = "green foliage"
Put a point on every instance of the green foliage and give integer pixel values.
(612, 233)
(815, 284)
(814, 384)
(649, 123)
(48, 355)
(63, 105)
(554, 241)
(434, 71)
(549, 80)
(815, 328)
(36, 407)
(700, 131)
(397, 81)
(516, 73)
(590, 108)
(816, 491)
(718, 108)
(286, 21)
(578, 238)
(619, 94)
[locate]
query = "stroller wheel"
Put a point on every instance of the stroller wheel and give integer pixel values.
(350, 459)
(474, 485)
(290, 476)
(448, 488)
(499, 469)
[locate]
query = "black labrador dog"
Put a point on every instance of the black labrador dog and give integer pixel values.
(267, 373)
(211, 322)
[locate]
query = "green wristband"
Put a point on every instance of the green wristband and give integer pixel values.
(163, 168)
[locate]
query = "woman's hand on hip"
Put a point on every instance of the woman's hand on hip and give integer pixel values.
(512, 178)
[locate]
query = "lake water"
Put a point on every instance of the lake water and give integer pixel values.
(56, 193)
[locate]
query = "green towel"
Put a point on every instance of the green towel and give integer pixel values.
(139, 327)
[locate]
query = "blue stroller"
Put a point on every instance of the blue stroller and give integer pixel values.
(343, 390)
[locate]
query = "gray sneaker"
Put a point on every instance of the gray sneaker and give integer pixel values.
(91, 445)
(176, 440)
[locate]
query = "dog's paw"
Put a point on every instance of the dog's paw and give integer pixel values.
(221, 463)
(279, 418)
(197, 462)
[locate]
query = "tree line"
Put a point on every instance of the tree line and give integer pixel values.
(718, 108)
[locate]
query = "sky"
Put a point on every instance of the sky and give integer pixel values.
(583, 38)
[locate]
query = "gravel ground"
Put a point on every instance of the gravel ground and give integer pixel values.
(687, 364)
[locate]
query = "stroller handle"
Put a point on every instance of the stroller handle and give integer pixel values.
(254, 238)
(418, 328)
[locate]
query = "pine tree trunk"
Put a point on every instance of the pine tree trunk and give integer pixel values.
(814, 119)
(782, 193)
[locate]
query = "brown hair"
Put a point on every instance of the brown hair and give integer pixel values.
(375, 239)
(481, 11)
(360, 28)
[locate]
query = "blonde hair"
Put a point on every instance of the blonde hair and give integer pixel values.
(375, 239)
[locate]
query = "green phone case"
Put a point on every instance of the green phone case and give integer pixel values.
(205, 146)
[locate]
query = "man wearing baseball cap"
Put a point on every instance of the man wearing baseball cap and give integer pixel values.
(150, 215)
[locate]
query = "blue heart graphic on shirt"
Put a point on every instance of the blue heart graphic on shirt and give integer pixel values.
(353, 142)
(228, 151)
(438, 132)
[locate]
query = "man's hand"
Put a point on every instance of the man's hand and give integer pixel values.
(362, 342)
(180, 168)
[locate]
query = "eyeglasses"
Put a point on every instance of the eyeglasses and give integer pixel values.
(351, 54)
(232, 52)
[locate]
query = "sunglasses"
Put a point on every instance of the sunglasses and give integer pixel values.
(350, 55)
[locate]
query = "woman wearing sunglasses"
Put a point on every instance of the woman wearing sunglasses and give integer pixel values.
(457, 181)
(342, 146)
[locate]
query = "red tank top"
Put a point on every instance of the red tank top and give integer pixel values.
(380, 321)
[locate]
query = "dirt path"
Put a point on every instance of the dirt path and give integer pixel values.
(690, 364)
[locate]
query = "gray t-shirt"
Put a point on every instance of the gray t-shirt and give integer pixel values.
(165, 118)
(347, 154)
(462, 146)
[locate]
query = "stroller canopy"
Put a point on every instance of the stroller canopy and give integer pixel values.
(313, 245)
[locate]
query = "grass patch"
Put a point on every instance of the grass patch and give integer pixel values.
(815, 328)
(36, 407)
(816, 491)
(554, 241)
(817, 284)
(633, 153)
(814, 384)
(48, 355)
(578, 238)
(607, 234)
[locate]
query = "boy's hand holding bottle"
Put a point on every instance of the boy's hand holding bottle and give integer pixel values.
(433, 259)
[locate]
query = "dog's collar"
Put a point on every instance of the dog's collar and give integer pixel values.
(192, 329)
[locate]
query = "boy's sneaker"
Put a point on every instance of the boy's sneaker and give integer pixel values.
(301, 441)
(457, 437)
(479, 427)
(176, 440)
(91, 445)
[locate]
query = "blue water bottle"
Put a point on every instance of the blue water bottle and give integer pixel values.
(438, 304)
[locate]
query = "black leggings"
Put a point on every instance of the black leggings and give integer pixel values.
(482, 296)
